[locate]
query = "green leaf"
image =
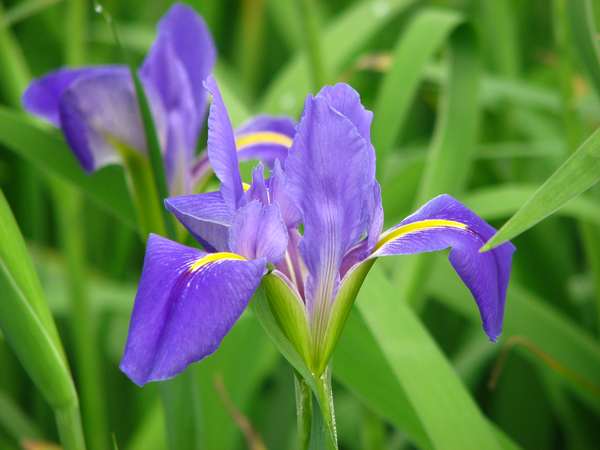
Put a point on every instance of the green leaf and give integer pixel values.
(29, 328)
(416, 46)
(503, 200)
(447, 412)
(340, 40)
(577, 174)
(533, 319)
(585, 37)
(46, 149)
(24, 10)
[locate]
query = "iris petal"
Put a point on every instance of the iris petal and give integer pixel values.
(186, 302)
(265, 138)
(206, 216)
(221, 148)
(99, 111)
(259, 232)
(445, 223)
(333, 201)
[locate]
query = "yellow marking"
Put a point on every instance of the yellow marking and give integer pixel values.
(245, 186)
(213, 257)
(262, 137)
(414, 227)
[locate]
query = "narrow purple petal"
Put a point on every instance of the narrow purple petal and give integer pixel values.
(187, 301)
(442, 223)
(42, 96)
(331, 180)
(97, 112)
(221, 148)
(265, 138)
(259, 232)
(206, 216)
(278, 187)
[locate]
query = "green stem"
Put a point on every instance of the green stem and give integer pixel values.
(75, 36)
(324, 396)
(310, 22)
(68, 423)
(303, 411)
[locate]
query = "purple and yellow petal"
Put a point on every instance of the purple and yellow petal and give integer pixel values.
(186, 302)
(446, 223)
(265, 138)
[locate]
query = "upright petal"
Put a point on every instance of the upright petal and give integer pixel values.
(165, 72)
(189, 37)
(206, 216)
(259, 232)
(330, 180)
(279, 191)
(221, 148)
(43, 95)
(186, 303)
(346, 101)
(444, 222)
(265, 138)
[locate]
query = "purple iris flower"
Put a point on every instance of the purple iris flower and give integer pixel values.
(313, 224)
(97, 109)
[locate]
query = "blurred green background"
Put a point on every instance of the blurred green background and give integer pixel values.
(482, 99)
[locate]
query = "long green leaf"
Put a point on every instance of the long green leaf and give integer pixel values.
(422, 38)
(340, 40)
(529, 317)
(585, 37)
(577, 174)
(447, 413)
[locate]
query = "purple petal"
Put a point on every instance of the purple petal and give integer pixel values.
(279, 194)
(191, 41)
(444, 222)
(258, 188)
(98, 111)
(42, 96)
(221, 148)
(265, 138)
(259, 232)
(184, 307)
(165, 72)
(346, 101)
(331, 181)
(206, 216)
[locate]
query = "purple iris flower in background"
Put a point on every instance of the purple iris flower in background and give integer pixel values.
(97, 109)
(312, 224)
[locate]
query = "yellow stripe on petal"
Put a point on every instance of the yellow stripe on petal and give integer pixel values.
(245, 186)
(262, 137)
(215, 257)
(415, 227)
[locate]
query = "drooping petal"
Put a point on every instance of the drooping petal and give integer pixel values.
(258, 232)
(265, 138)
(42, 96)
(331, 181)
(186, 303)
(101, 111)
(221, 148)
(206, 216)
(445, 223)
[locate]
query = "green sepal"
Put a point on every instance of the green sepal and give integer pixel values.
(281, 313)
(349, 288)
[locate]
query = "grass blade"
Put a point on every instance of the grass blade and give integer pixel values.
(575, 176)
